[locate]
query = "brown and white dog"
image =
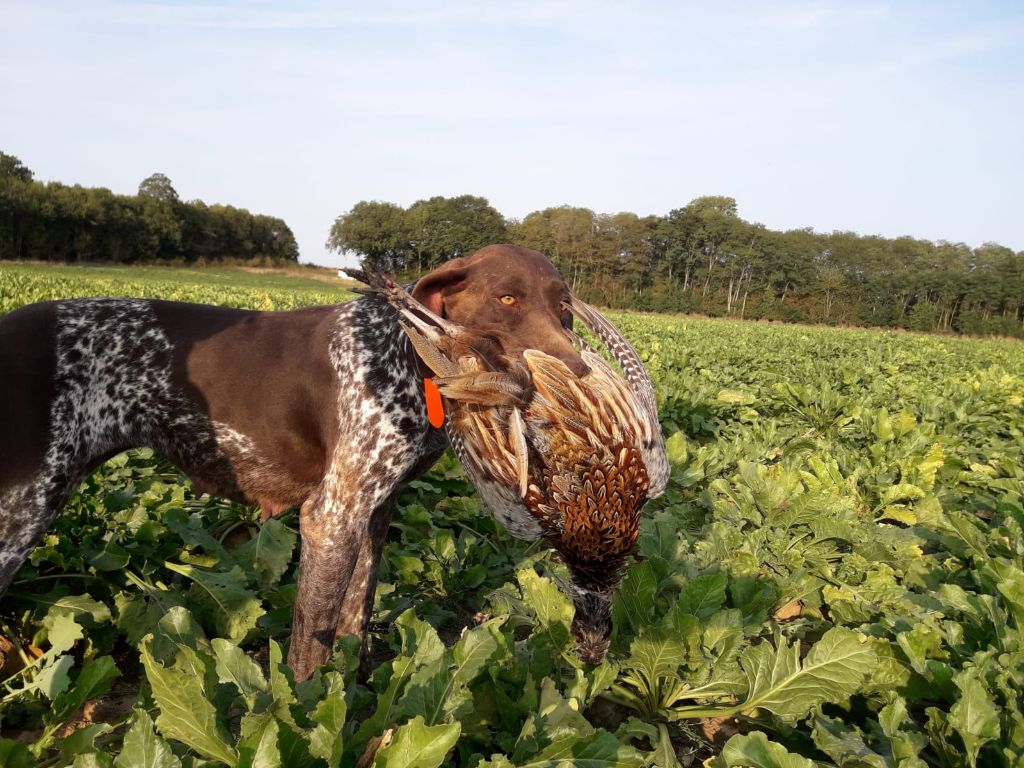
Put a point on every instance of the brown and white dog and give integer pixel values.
(320, 409)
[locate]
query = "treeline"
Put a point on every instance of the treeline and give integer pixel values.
(55, 222)
(705, 258)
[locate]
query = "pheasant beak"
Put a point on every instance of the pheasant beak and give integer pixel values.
(592, 625)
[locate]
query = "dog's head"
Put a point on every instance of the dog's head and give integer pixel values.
(511, 292)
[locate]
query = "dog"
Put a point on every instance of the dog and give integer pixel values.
(319, 408)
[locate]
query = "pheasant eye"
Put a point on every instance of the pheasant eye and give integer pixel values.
(508, 300)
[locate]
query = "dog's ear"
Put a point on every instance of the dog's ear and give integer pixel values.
(431, 289)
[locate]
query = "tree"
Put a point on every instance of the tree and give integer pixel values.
(443, 228)
(158, 187)
(377, 231)
(12, 168)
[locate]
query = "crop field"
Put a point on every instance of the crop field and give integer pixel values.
(834, 577)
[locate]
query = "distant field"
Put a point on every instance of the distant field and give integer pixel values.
(236, 287)
(835, 574)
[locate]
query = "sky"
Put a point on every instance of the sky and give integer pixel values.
(898, 118)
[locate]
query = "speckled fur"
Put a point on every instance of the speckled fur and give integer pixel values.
(113, 389)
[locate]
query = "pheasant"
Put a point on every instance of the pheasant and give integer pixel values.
(554, 455)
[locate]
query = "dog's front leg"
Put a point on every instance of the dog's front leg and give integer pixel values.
(357, 606)
(333, 532)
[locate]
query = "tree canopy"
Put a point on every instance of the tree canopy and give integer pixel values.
(704, 257)
(55, 222)
(421, 236)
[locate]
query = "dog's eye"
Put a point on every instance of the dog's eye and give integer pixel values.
(508, 300)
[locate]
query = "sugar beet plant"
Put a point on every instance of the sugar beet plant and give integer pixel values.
(835, 577)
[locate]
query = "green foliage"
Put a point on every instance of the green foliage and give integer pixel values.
(22, 284)
(421, 236)
(705, 258)
(837, 561)
(56, 222)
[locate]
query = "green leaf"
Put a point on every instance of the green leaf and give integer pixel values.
(325, 740)
(418, 638)
(234, 667)
(52, 679)
(186, 713)
(974, 716)
(756, 751)
(664, 753)
(14, 754)
(94, 679)
(929, 466)
(82, 742)
(676, 448)
(418, 745)
(833, 670)
(268, 553)
(845, 744)
(658, 653)
(602, 750)
(704, 595)
(552, 607)
(258, 745)
(901, 492)
(633, 606)
(222, 598)
(64, 631)
(92, 760)
(439, 691)
(143, 748)
(77, 606)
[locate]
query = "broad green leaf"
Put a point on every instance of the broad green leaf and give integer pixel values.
(258, 745)
(223, 598)
(549, 603)
(63, 632)
(833, 670)
(438, 691)
(901, 492)
(554, 719)
(52, 679)
(664, 753)
(704, 595)
(418, 745)
(186, 713)
(929, 466)
(756, 751)
(234, 667)
(974, 716)
(385, 714)
(14, 754)
(1012, 590)
(600, 750)
(268, 553)
(282, 687)
(418, 638)
(94, 679)
(325, 740)
(633, 606)
(676, 448)
(82, 743)
(92, 760)
(143, 748)
(656, 653)
(78, 606)
(845, 744)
